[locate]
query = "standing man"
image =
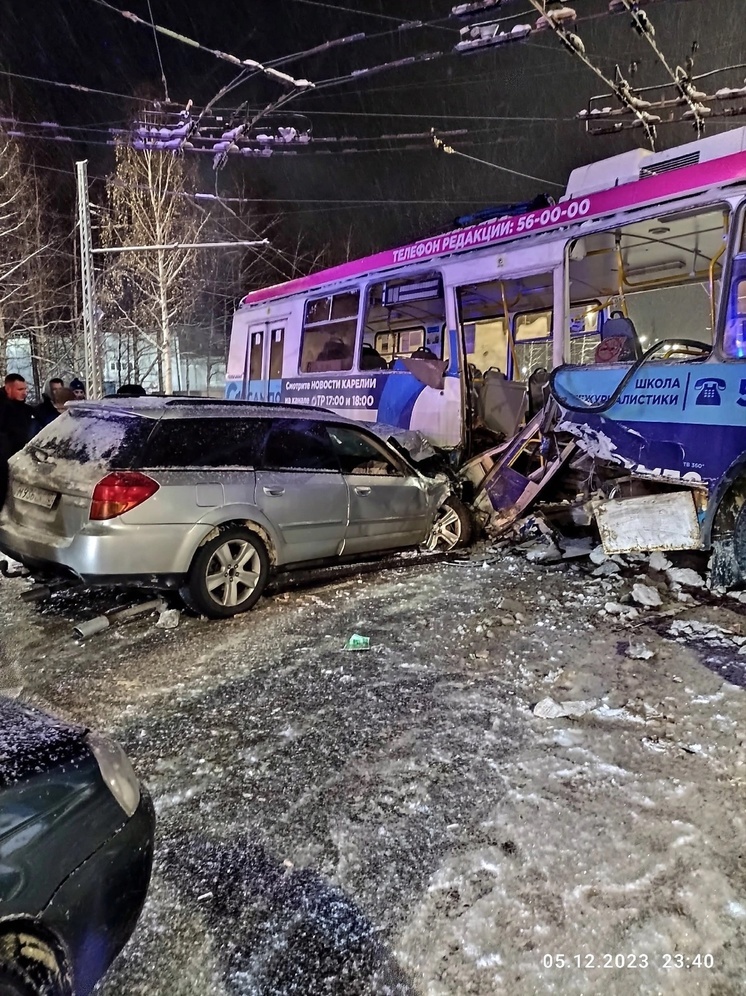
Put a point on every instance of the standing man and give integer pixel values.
(17, 425)
(47, 411)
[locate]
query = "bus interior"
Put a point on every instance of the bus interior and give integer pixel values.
(404, 319)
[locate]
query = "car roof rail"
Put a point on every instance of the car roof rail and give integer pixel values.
(262, 405)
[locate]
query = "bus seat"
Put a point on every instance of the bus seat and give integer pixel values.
(502, 402)
(371, 359)
(334, 349)
(423, 353)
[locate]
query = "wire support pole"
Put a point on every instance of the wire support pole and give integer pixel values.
(91, 344)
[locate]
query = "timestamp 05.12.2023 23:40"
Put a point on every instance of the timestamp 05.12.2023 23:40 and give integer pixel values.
(665, 961)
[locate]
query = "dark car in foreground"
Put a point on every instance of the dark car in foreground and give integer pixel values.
(76, 848)
(212, 497)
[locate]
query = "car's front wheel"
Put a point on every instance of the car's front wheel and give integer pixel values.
(228, 574)
(452, 526)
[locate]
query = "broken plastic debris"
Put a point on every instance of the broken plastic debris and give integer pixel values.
(543, 552)
(169, 619)
(645, 594)
(573, 548)
(357, 642)
(549, 709)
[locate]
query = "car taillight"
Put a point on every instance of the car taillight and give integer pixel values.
(120, 492)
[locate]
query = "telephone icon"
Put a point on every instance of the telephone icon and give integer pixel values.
(709, 390)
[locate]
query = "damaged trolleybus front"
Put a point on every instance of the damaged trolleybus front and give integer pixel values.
(631, 290)
(665, 396)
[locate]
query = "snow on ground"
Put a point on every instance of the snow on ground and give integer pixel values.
(398, 820)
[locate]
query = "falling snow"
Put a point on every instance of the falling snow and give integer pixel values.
(400, 821)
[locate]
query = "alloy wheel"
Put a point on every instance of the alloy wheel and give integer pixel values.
(233, 572)
(446, 531)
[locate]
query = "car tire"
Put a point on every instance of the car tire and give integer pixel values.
(23, 974)
(219, 585)
(452, 528)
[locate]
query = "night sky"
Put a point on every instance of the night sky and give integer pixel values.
(413, 192)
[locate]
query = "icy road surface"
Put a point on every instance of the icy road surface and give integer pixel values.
(398, 821)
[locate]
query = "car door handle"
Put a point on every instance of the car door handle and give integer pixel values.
(274, 492)
(362, 491)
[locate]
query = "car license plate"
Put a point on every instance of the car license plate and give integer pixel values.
(35, 496)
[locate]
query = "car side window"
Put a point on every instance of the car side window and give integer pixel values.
(358, 454)
(206, 442)
(299, 444)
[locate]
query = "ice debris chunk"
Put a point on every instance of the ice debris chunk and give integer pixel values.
(646, 595)
(639, 652)
(169, 619)
(549, 709)
(685, 575)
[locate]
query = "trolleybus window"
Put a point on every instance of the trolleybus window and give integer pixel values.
(487, 312)
(663, 273)
(533, 343)
(329, 328)
(277, 342)
(734, 326)
(403, 318)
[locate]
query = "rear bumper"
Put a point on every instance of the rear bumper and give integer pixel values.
(112, 552)
(45, 569)
(96, 908)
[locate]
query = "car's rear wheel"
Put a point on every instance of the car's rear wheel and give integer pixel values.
(452, 528)
(28, 967)
(228, 574)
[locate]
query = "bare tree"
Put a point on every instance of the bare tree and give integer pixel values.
(34, 256)
(147, 293)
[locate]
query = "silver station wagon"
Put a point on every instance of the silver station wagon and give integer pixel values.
(212, 497)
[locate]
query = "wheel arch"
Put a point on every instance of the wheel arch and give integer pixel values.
(718, 528)
(40, 945)
(238, 519)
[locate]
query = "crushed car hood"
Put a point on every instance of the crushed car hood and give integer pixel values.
(414, 444)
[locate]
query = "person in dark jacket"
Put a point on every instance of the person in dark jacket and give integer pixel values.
(131, 391)
(17, 425)
(47, 411)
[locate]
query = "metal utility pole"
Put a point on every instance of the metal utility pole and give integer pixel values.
(92, 348)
